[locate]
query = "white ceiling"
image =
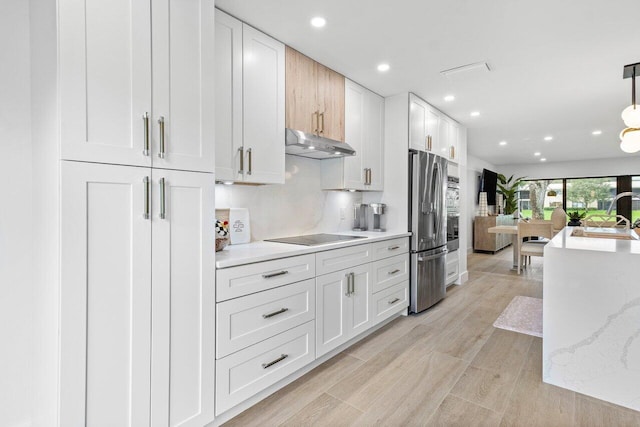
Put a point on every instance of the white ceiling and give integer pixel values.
(556, 65)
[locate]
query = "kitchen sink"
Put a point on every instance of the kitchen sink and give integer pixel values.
(605, 233)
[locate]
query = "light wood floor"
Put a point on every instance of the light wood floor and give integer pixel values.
(447, 366)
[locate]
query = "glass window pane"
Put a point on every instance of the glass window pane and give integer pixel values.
(537, 199)
(635, 204)
(590, 195)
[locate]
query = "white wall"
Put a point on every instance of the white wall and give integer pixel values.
(474, 170)
(16, 325)
(297, 207)
(584, 168)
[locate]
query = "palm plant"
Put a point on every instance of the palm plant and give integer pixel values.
(508, 188)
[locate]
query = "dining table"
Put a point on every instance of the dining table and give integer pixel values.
(513, 231)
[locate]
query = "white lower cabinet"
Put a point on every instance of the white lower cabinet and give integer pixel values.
(453, 270)
(342, 302)
(130, 356)
(255, 368)
(388, 302)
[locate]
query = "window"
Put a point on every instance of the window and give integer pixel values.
(590, 194)
(635, 204)
(537, 199)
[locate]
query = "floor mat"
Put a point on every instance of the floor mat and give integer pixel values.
(524, 315)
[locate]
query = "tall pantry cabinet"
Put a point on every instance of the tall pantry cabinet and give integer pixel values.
(136, 212)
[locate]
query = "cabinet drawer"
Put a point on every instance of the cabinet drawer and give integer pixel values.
(389, 248)
(452, 267)
(249, 371)
(390, 271)
(390, 301)
(247, 279)
(339, 259)
(245, 321)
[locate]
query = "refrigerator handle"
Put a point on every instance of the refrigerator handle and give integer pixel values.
(430, 257)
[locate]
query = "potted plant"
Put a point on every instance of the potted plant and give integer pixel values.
(575, 217)
(508, 188)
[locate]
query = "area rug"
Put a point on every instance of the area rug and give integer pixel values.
(524, 315)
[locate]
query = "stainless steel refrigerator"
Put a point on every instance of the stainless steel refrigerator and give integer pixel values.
(428, 226)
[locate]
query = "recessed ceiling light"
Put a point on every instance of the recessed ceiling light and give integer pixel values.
(596, 132)
(537, 153)
(449, 98)
(543, 159)
(548, 138)
(318, 21)
(502, 142)
(311, 147)
(475, 113)
(383, 67)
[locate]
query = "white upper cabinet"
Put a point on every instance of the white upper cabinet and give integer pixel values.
(364, 131)
(250, 109)
(183, 101)
(228, 89)
(424, 126)
(107, 67)
(263, 107)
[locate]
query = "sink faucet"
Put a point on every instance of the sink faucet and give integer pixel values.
(620, 196)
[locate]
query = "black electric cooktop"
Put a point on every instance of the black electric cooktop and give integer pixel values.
(314, 239)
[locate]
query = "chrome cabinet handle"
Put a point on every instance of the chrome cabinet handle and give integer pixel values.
(393, 301)
(145, 118)
(393, 271)
(147, 198)
(393, 248)
(163, 209)
(370, 176)
(241, 151)
(350, 284)
(353, 283)
(322, 121)
(249, 152)
(279, 359)
(161, 125)
(275, 313)
(270, 275)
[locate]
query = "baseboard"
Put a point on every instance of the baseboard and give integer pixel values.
(464, 277)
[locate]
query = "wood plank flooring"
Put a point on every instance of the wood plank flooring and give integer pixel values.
(447, 366)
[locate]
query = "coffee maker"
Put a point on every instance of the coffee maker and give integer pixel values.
(360, 217)
(378, 209)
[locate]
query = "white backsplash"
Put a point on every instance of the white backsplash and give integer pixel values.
(296, 207)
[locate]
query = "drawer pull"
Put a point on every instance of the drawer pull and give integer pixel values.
(275, 313)
(393, 248)
(279, 273)
(279, 359)
(393, 272)
(393, 301)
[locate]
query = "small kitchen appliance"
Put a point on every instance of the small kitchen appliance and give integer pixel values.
(360, 216)
(377, 209)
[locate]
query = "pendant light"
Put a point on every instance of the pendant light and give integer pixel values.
(630, 137)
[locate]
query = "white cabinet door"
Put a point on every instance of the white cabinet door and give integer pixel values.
(183, 84)
(374, 140)
(354, 122)
(417, 123)
(332, 311)
(432, 120)
(228, 94)
(462, 145)
(453, 152)
(359, 319)
(105, 296)
(183, 298)
(263, 107)
(105, 80)
(444, 135)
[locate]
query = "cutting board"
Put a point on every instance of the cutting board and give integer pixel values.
(239, 226)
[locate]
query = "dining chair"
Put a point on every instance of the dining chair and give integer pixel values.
(531, 247)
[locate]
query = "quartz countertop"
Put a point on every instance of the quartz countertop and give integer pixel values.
(234, 255)
(564, 240)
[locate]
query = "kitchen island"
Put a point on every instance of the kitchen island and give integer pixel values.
(591, 320)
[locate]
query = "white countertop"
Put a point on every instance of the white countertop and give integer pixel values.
(564, 240)
(234, 255)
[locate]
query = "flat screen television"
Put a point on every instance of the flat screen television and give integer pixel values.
(488, 184)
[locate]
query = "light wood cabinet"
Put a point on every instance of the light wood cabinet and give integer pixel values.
(250, 109)
(136, 87)
(129, 355)
(364, 131)
(491, 242)
(314, 97)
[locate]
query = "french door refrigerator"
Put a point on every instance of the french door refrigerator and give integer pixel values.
(428, 226)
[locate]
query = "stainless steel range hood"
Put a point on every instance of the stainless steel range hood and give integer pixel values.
(309, 145)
